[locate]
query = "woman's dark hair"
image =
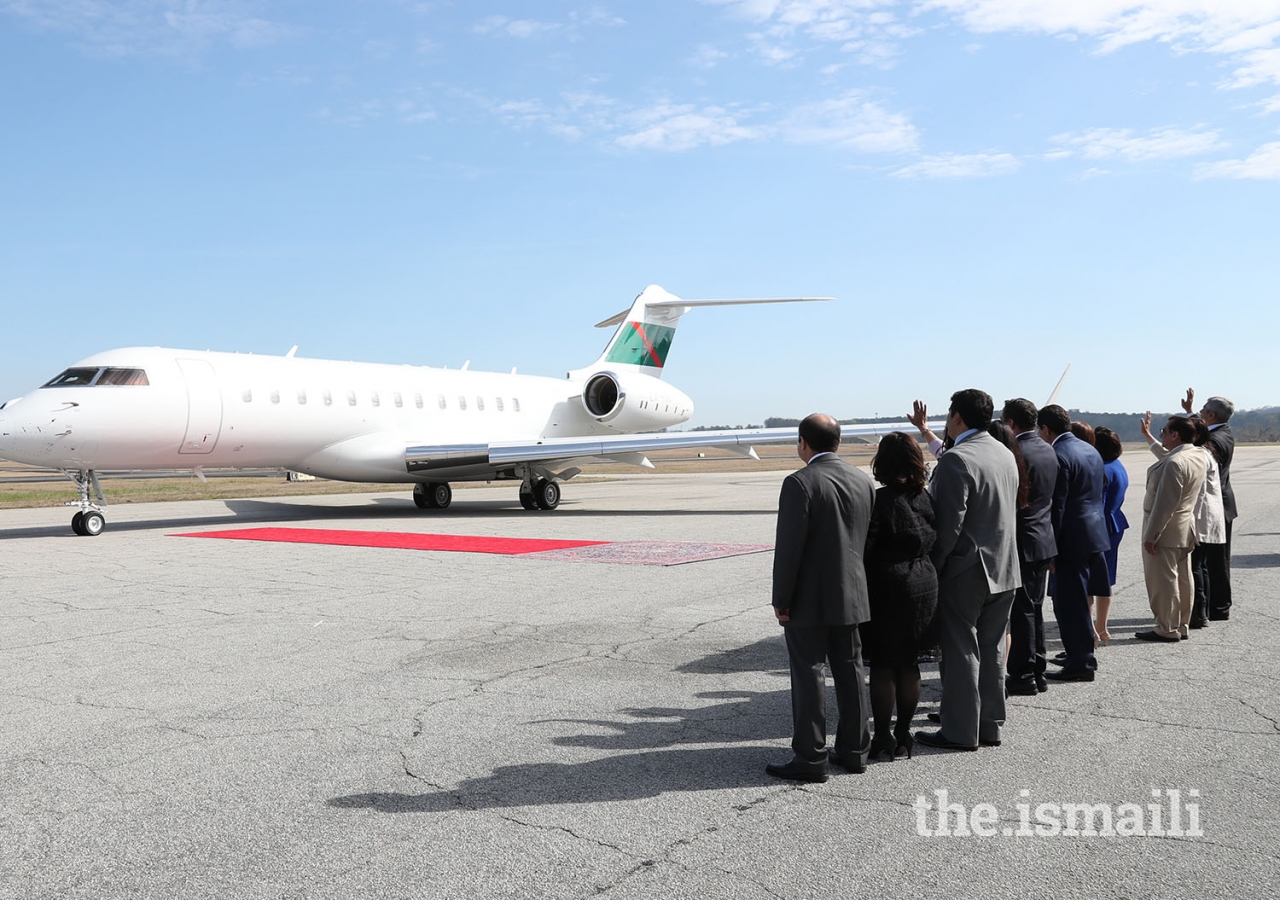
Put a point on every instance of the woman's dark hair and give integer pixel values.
(1189, 429)
(898, 461)
(1084, 431)
(1004, 435)
(1108, 443)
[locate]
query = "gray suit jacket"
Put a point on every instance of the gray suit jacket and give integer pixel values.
(823, 514)
(975, 497)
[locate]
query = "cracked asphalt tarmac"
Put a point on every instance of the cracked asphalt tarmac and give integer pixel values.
(202, 718)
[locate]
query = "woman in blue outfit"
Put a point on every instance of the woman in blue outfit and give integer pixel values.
(1107, 443)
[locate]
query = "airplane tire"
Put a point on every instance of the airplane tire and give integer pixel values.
(441, 495)
(546, 494)
(527, 501)
(93, 523)
(421, 496)
(77, 523)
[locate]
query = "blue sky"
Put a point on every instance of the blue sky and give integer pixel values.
(991, 189)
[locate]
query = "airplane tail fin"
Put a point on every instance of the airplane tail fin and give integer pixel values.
(645, 331)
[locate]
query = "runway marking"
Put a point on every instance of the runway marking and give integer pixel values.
(396, 540)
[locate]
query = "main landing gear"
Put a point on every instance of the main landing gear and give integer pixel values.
(542, 493)
(432, 495)
(89, 521)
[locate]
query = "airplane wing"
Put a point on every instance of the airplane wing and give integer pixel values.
(630, 448)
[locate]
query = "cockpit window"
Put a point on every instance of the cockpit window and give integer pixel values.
(123, 377)
(112, 375)
(74, 378)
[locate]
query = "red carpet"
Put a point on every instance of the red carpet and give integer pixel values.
(398, 540)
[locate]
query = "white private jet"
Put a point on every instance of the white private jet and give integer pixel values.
(151, 408)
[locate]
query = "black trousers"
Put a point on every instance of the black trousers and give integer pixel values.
(808, 649)
(1071, 609)
(1218, 572)
(1026, 625)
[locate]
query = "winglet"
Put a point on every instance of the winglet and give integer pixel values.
(1053, 397)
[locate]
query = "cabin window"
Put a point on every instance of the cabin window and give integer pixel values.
(351, 398)
(498, 403)
(444, 404)
(398, 401)
(480, 403)
(247, 396)
(515, 403)
(328, 398)
(74, 378)
(275, 396)
(417, 400)
(302, 398)
(462, 402)
(123, 377)
(374, 399)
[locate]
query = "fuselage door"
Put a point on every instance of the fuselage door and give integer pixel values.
(204, 406)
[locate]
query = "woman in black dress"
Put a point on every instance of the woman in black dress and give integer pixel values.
(903, 587)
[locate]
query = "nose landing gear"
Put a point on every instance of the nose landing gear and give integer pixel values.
(432, 495)
(89, 521)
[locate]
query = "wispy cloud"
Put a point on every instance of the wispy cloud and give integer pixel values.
(956, 165)
(851, 121)
(684, 127)
(869, 29)
(169, 27)
(1245, 30)
(505, 26)
(1263, 163)
(516, 28)
(1123, 143)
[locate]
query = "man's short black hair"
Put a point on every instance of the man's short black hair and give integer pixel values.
(1055, 418)
(821, 432)
(1021, 412)
(974, 406)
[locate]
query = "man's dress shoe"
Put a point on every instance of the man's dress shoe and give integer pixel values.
(1157, 637)
(1199, 623)
(988, 742)
(799, 770)
(1020, 689)
(847, 761)
(1041, 684)
(940, 741)
(1068, 675)
(1059, 659)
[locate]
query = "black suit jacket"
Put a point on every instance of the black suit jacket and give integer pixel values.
(1079, 522)
(1223, 443)
(823, 514)
(1035, 523)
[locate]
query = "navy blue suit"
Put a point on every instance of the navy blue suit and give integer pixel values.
(1080, 529)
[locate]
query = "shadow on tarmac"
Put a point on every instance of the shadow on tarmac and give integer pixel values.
(241, 512)
(629, 776)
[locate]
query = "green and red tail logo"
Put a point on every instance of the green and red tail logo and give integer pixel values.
(639, 344)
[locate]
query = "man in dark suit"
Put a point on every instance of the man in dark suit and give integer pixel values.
(1036, 550)
(820, 597)
(1216, 412)
(975, 495)
(1080, 530)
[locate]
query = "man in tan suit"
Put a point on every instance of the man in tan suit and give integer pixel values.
(1169, 529)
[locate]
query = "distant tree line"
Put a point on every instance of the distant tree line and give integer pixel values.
(1252, 425)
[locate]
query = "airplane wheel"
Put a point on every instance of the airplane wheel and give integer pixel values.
(421, 497)
(77, 523)
(441, 495)
(546, 494)
(93, 523)
(527, 501)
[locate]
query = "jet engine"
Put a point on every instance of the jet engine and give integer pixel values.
(634, 402)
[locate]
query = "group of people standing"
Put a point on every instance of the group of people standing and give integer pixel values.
(1018, 508)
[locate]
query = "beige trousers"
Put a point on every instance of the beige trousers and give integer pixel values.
(1169, 588)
